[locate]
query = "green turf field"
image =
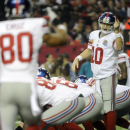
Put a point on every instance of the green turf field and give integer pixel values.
(19, 118)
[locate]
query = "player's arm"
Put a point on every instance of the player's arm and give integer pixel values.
(56, 39)
(123, 68)
(119, 41)
(60, 37)
(85, 54)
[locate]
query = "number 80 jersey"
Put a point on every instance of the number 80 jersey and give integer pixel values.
(20, 41)
(104, 54)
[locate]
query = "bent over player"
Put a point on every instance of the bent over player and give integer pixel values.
(104, 45)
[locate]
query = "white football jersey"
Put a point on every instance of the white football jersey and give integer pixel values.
(91, 82)
(52, 94)
(104, 54)
(123, 57)
(20, 43)
(119, 88)
(86, 88)
(83, 88)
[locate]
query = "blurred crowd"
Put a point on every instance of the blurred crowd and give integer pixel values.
(79, 16)
(61, 66)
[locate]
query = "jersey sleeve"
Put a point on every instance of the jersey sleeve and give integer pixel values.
(114, 43)
(45, 27)
(90, 41)
(121, 58)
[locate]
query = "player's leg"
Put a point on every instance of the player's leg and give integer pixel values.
(108, 87)
(93, 106)
(123, 100)
(25, 98)
(9, 108)
(122, 107)
(88, 125)
(64, 111)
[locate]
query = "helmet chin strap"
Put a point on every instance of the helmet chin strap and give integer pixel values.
(105, 32)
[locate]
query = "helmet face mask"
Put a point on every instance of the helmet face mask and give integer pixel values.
(108, 19)
(81, 79)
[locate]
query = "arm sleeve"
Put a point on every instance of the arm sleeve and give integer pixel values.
(45, 28)
(121, 58)
(90, 41)
(114, 43)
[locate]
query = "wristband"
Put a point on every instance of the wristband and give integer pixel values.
(79, 57)
(118, 35)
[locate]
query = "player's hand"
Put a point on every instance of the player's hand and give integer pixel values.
(117, 25)
(75, 64)
(52, 15)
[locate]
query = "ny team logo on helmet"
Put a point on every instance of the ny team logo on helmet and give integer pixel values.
(18, 8)
(41, 72)
(81, 79)
(107, 18)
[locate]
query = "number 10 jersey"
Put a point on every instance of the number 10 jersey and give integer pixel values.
(104, 54)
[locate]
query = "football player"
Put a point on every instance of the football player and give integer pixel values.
(122, 102)
(63, 100)
(20, 40)
(122, 106)
(123, 69)
(104, 45)
(93, 100)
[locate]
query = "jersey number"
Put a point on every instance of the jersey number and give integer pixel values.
(45, 83)
(67, 83)
(97, 55)
(19, 46)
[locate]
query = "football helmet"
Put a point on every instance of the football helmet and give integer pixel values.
(18, 8)
(107, 18)
(61, 77)
(41, 72)
(81, 79)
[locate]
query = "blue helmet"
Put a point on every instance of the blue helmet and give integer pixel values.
(108, 18)
(61, 77)
(81, 79)
(18, 8)
(41, 72)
